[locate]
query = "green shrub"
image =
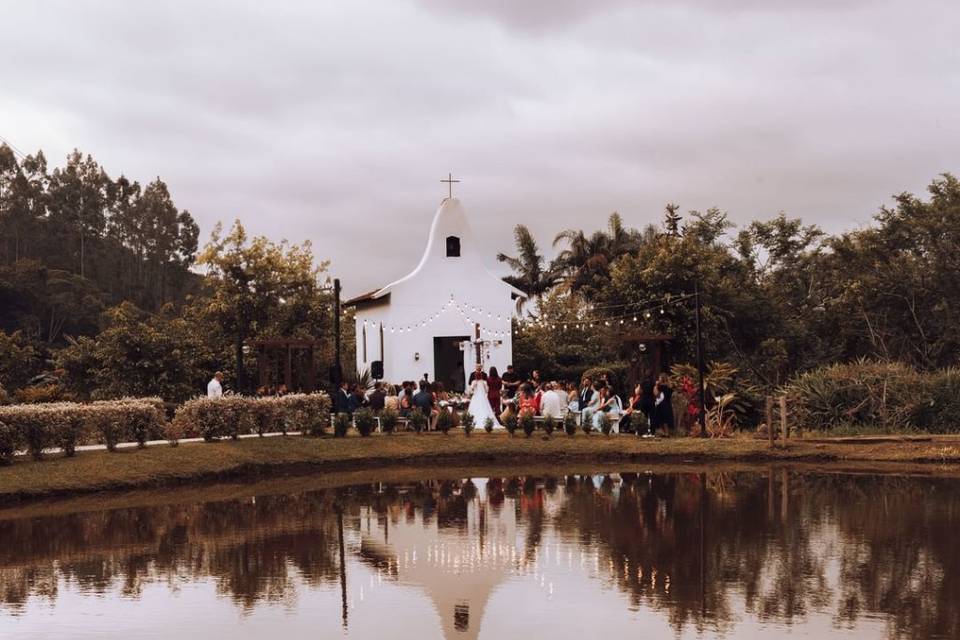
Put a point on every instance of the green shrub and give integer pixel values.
(888, 395)
(467, 422)
(586, 424)
(940, 412)
(445, 421)
(232, 416)
(511, 423)
(388, 420)
(173, 432)
(570, 423)
(606, 423)
(548, 425)
(528, 424)
(67, 432)
(9, 443)
(418, 420)
(341, 424)
(488, 425)
(365, 421)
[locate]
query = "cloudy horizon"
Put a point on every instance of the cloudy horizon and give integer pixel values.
(334, 122)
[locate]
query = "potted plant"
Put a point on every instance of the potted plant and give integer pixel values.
(365, 421)
(388, 420)
(511, 423)
(570, 423)
(586, 424)
(528, 424)
(418, 420)
(488, 425)
(548, 425)
(606, 424)
(467, 422)
(341, 424)
(445, 421)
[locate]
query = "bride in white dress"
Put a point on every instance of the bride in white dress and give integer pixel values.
(480, 407)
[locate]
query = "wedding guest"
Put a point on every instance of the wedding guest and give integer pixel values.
(573, 397)
(527, 401)
(392, 401)
(511, 382)
(632, 415)
(424, 401)
(215, 386)
(610, 408)
(377, 398)
(586, 393)
(406, 398)
(509, 410)
(593, 401)
(494, 388)
(356, 397)
(535, 379)
(552, 402)
(663, 405)
(341, 403)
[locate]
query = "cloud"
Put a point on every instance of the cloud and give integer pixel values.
(335, 121)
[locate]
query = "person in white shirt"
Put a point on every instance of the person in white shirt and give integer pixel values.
(214, 387)
(552, 403)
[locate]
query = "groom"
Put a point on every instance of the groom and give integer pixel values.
(477, 374)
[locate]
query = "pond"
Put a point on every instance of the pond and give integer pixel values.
(721, 554)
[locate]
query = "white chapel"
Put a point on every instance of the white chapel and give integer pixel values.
(443, 316)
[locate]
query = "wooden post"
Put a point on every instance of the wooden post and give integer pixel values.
(799, 430)
(769, 412)
(784, 425)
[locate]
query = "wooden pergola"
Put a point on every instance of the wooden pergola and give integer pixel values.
(648, 354)
(287, 361)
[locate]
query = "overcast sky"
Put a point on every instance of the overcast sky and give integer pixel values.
(335, 121)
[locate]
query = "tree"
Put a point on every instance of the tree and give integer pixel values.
(260, 289)
(530, 275)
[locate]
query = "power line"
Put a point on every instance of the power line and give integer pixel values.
(12, 146)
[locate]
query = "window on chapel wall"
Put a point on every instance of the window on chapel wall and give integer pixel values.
(453, 247)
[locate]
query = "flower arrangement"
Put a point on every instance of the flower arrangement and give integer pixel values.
(445, 421)
(388, 420)
(527, 423)
(488, 425)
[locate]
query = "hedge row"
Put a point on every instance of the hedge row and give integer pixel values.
(888, 395)
(65, 425)
(233, 416)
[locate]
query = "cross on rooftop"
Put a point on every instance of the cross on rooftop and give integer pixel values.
(449, 182)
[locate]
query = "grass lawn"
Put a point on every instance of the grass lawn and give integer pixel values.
(92, 471)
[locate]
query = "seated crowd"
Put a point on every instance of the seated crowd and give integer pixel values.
(647, 411)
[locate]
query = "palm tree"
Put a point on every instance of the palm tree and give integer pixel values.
(587, 256)
(530, 276)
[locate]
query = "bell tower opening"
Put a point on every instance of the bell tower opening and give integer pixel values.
(453, 247)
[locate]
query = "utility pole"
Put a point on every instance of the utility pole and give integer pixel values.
(337, 365)
(701, 392)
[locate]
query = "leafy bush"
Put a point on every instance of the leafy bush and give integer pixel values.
(67, 424)
(548, 425)
(527, 423)
(341, 424)
(940, 412)
(570, 423)
(173, 433)
(9, 443)
(467, 422)
(445, 421)
(232, 416)
(418, 420)
(888, 395)
(511, 423)
(365, 421)
(388, 420)
(488, 425)
(41, 393)
(586, 425)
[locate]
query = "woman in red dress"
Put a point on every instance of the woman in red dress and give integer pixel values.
(494, 385)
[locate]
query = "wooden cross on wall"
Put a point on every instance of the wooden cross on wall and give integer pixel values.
(477, 342)
(449, 182)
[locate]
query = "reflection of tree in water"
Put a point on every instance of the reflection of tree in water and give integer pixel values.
(786, 544)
